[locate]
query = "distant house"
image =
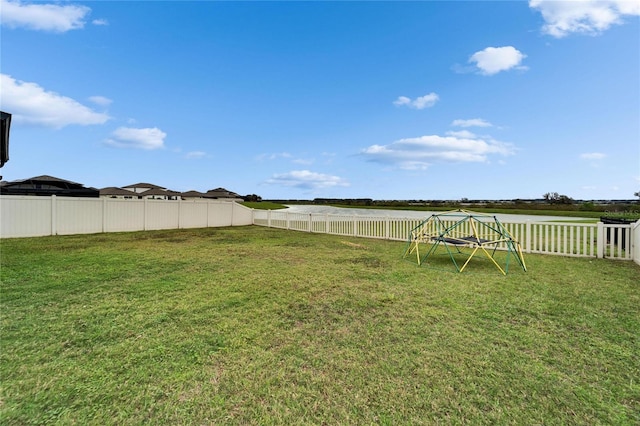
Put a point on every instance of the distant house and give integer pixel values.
(47, 186)
(142, 187)
(192, 195)
(223, 194)
(113, 192)
(155, 192)
(160, 194)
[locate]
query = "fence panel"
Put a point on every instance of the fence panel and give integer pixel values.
(261, 217)
(193, 214)
(278, 219)
(618, 241)
(220, 214)
(239, 215)
(162, 214)
(78, 216)
(319, 223)
(574, 239)
(31, 216)
(566, 239)
(24, 216)
(342, 225)
(124, 215)
(298, 222)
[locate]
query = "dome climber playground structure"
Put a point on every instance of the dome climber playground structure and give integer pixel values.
(460, 235)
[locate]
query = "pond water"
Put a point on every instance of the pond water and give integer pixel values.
(413, 213)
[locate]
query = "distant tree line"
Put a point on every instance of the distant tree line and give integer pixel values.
(252, 198)
(549, 201)
(555, 198)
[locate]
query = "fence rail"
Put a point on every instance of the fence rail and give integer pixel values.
(614, 241)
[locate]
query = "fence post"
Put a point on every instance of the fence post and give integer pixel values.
(327, 229)
(269, 218)
(386, 227)
(144, 212)
(54, 215)
(355, 225)
(104, 214)
(635, 248)
(310, 223)
(527, 243)
(600, 240)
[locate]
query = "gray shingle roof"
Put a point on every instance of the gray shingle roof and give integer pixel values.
(112, 190)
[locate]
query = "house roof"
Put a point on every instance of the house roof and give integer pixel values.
(221, 193)
(144, 185)
(193, 194)
(112, 190)
(159, 191)
(44, 179)
(47, 185)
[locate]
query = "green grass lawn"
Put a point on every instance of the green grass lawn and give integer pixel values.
(253, 325)
(263, 205)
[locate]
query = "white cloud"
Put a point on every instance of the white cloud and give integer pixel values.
(493, 60)
(303, 161)
(593, 156)
(100, 100)
(421, 152)
(473, 122)
(100, 22)
(306, 179)
(583, 16)
(146, 138)
(31, 104)
(273, 156)
(43, 17)
(284, 155)
(402, 100)
(421, 102)
(462, 134)
(194, 155)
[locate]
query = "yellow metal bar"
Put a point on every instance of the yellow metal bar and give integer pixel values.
(493, 260)
(519, 249)
(469, 259)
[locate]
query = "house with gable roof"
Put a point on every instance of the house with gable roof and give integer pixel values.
(160, 194)
(114, 192)
(46, 186)
(142, 187)
(223, 195)
(154, 192)
(193, 195)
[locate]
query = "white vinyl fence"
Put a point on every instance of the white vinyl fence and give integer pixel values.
(566, 239)
(29, 216)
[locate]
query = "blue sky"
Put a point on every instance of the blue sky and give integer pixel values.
(298, 100)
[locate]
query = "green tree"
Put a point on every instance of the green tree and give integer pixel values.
(555, 198)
